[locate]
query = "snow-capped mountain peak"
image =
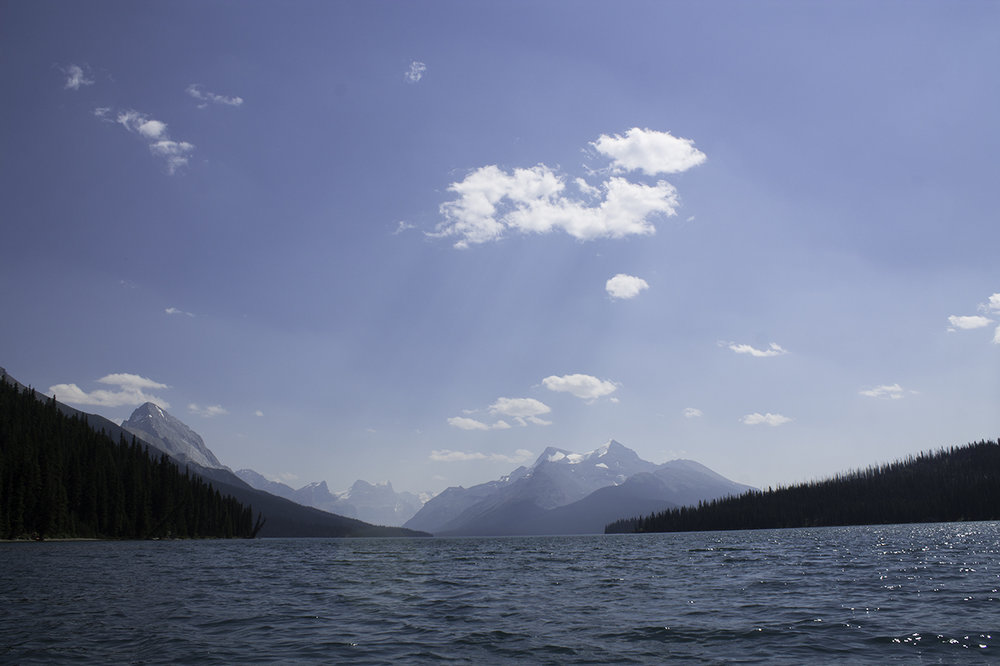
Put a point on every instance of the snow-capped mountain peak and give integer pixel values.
(170, 435)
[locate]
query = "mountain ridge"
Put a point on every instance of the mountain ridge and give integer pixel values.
(570, 493)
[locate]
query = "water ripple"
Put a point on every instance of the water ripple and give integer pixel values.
(868, 594)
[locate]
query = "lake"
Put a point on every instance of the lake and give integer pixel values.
(863, 594)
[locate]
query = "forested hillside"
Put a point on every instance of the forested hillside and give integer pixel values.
(960, 483)
(60, 478)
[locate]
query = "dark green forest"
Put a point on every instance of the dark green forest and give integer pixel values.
(61, 479)
(960, 483)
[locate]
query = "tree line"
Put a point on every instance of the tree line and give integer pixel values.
(59, 478)
(955, 484)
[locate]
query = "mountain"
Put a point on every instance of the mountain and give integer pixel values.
(571, 493)
(283, 517)
(674, 484)
(170, 435)
(260, 482)
(311, 509)
(379, 503)
(318, 495)
(373, 503)
(557, 477)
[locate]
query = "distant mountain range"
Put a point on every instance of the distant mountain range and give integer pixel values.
(373, 503)
(571, 493)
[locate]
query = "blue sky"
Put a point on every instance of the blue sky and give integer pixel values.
(422, 241)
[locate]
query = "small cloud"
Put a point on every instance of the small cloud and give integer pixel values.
(587, 189)
(257, 412)
(102, 111)
(649, 151)
(692, 413)
(152, 129)
(207, 412)
(584, 387)
(968, 322)
(993, 304)
(76, 77)
(625, 286)
(888, 391)
(175, 311)
(131, 392)
(521, 408)
(766, 419)
(174, 153)
(416, 71)
(447, 455)
(198, 92)
(996, 336)
(773, 350)
(402, 226)
(464, 423)
(286, 477)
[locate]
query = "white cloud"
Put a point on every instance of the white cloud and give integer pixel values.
(649, 151)
(993, 305)
(175, 311)
(889, 391)
(625, 286)
(416, 71)
(519, 407)
(767, 419)
(465, 423)
(174, 153)
(969, 322)
(76, 77)
(773, 349)
(131, 392)
(996, 336)
(205, 97)
(402, 226)
(208, 411)
(258, 413)
(587, 189)
(492, 202)
(692, 413)
(585, 387)
(447, 455)
(152, 129)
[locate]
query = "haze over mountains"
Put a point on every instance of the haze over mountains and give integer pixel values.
(372, 503)
(571, 493)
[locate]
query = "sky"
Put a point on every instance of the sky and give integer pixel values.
(420, 242)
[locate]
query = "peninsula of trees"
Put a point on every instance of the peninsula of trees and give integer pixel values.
(60, 478)
(956, 484)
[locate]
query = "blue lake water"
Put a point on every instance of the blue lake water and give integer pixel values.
(903, 593)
